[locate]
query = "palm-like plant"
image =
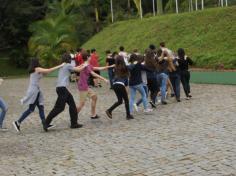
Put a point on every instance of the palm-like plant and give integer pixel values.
(51, 37)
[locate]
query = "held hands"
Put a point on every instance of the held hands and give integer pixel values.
(62, 64)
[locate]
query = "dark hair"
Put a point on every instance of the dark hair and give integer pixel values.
(85, 56)
(181, 53)
(34, 62)
(133, 58)
(152, 47)
(121, 71)
(79, 50)
(150, 61)
(159, 52)
(108, 52)
(122, 48)
(140, 58)
(114, 54)
(135, 50)
(93, 50)
(162, 44)
(66, 58)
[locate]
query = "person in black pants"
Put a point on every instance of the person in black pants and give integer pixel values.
(64, 96)
(184, 62)
(119, 86)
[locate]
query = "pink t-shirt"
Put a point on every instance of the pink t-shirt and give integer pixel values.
(83, 79)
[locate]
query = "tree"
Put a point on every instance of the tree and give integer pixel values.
(53, 35)
(159, 6)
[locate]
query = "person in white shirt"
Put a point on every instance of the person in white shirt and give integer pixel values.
(124, 55)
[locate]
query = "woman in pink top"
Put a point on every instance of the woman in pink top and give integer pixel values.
(84, 90)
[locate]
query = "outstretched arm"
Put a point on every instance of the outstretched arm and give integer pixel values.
(98, 76)
(79, 68)
(48, 70)
(103, 68)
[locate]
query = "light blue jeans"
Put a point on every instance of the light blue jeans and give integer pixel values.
(162, 80)
(133, 90)
(3, 111)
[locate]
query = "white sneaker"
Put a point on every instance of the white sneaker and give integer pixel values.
(3, 129)
(147, 110)
(22, 101)
(135, 107)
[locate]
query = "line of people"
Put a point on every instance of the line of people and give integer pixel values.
(150, 74)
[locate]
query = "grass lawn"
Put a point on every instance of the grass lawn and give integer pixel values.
(208, 36)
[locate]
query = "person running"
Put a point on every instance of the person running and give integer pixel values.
(64, 96)
(34, 96)
(136, 84)
(151, 64)
(174, 75)
(3, 107)
(84, 90)
(110, 60)
(162, 76)
(144, 80)
(184, 62)
(120, 83)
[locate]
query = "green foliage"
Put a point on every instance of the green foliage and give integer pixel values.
(55, 34)
(207, 36)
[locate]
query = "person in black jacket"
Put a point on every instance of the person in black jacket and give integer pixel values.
(184, 62)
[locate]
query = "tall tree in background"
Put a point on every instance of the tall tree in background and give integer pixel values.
(159, 7)
(138, 4)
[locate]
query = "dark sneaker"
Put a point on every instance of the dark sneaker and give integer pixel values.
(109, 114)
(172, 95)
(190, 96)
(164, 102)
(129, 117)
(153, 104)
(16, 126)
(76, 126)
(178, 100)
(51, 126)
(95, 117)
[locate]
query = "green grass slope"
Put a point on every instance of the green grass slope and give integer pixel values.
(209, 36)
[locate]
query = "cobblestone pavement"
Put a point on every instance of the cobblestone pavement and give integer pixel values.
(196, 137)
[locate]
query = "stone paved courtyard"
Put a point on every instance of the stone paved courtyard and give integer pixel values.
(191, 138)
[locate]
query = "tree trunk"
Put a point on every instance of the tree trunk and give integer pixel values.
(202, 4)
(112, 15)
(129, 8)
(141, 9)
(153, 7)
(196, 5)
(226, 3)
(96, 16)
(159, 7)
(176, 5)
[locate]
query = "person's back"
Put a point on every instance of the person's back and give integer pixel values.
(135, 74)
(63, 79)
(84, 76)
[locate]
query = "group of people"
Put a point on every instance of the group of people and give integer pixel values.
(156, 72)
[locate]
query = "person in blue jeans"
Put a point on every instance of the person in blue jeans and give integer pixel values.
(3, 111)
(162, 75)
(34, 96)
(174, 75)
(135, 82)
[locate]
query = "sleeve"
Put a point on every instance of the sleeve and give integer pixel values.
(70, 67)
(126, 82)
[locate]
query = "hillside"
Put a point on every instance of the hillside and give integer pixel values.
(209, 36)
